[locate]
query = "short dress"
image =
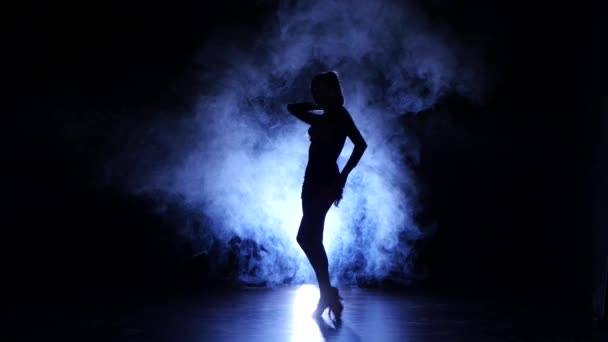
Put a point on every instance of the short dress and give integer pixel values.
(327, 137)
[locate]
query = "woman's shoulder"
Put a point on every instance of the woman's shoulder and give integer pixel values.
(345, 114)
(342, 111)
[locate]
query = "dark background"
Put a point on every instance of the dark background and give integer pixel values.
(513, 201)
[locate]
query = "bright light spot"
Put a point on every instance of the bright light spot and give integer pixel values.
(304, 328)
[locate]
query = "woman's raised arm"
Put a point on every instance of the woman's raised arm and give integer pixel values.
(303, 111)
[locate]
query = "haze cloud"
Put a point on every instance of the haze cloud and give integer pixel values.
(239, 159)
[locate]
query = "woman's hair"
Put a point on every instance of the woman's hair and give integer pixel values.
(326, 89)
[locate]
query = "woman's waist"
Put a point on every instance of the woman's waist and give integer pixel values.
(326, 171)
(322, 166)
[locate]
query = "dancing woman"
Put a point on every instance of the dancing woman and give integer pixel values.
(323, 181)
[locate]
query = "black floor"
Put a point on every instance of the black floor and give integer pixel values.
(283, 314)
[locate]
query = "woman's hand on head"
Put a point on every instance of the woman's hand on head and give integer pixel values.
(307, 105)
(316, 106)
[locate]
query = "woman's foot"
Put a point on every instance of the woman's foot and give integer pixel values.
(335, 304)
(321, 305)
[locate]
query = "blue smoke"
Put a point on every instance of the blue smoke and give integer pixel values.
(237, 161)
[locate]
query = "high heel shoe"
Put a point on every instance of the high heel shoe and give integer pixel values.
(335, 304)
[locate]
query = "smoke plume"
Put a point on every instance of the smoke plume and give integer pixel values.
(237, 161)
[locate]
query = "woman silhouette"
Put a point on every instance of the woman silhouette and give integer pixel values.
(323, 181)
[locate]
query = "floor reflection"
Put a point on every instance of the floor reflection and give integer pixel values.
(285, 314)
(307, 328)
(304, 327)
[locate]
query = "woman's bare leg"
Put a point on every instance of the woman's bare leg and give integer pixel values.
(310, 238)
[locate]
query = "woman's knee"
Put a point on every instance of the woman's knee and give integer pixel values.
(308, 238)
(305, 239)
(302, 240)
(309, 243)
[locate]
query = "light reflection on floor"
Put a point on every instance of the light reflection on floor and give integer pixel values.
(284, 314)
(304, 327)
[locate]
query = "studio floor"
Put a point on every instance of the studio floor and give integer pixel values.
(284, 314)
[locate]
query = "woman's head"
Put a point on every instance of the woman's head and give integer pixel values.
(326, 90)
